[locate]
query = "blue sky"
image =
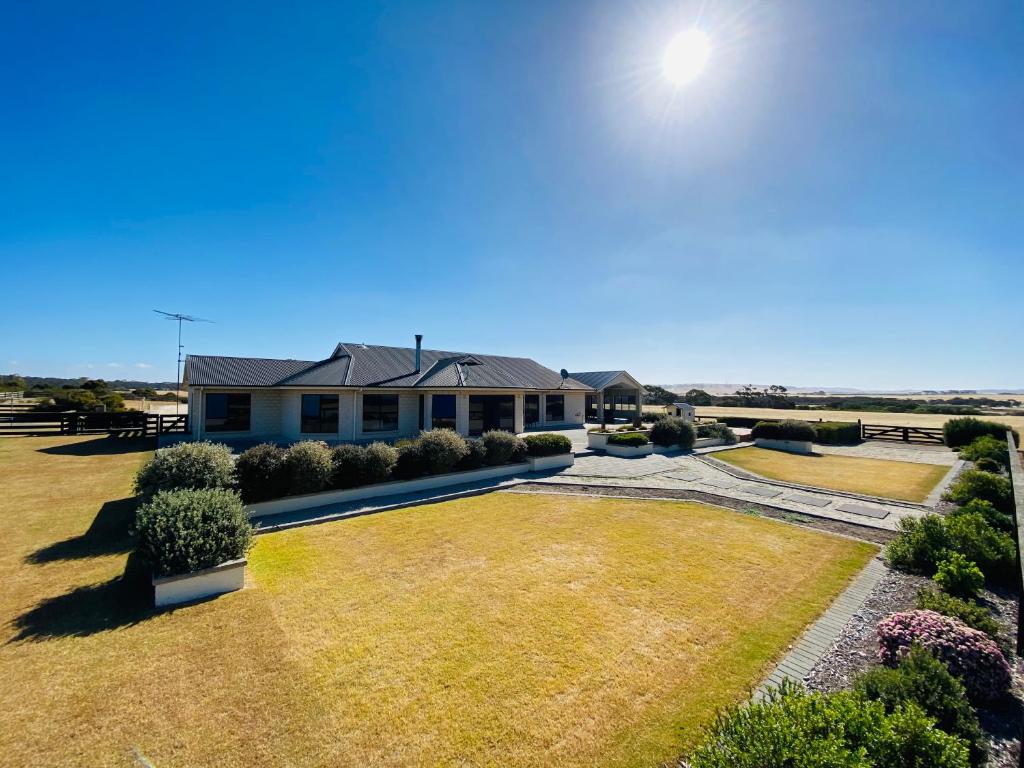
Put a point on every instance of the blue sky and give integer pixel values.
(838, 200)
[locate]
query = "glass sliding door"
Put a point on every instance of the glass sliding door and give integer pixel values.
(487, 412)
(531, 410)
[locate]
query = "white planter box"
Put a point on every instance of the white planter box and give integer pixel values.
(708, 442)
(662, 449)
(629, 451)
(793, 446)
(226, 577)
(599, 440)
(309, 500)
(558, 461)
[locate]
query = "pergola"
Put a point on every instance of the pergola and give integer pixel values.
(618, 396)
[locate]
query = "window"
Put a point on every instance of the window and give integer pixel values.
(531, 410)
(487, 412)
(380, 413)
(228, 412)
(554, 408)
(442, 412)
(319, 413)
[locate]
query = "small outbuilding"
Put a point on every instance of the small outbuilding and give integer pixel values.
(684, 411)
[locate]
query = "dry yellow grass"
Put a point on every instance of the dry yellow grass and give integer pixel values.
(904, 480)
(506, 629)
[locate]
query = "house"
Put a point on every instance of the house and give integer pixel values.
(684, 411)
(367, 392)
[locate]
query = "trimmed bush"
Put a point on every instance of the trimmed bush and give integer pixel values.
(969, 612)
(791, 728)
(972, 484)
(260, 473)
(500, 445)
(673, 431)
(476, 457)
(964, 431)
(189, 530)
(411, 462)
(308, 467)
(347, 465)
(993, 550)
(988, 448)
(959, 576)
(441, 450)
(837, 432)
(969, 654)
(985, 464)
(186, 465)
(547, 445)
(921, 679)
(787, 429)
(717, 431)
(919, 546)
(633, 439)
(378, 462)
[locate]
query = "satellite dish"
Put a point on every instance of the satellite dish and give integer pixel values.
(565, 373)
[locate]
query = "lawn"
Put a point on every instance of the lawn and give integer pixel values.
(904, 480)
(504, 629)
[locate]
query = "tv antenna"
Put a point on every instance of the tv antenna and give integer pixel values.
(180, 318)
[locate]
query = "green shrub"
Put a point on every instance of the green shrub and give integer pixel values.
(986, 486)
(189, 530)
(633, 439)
(968, 611)
(985, 464)
(717, 431)
(993, 550)
(308, 467)
(923, 542)
(919, 545)
(348, 464)
(500, 445)
(959, 576)
(186, 465)
(260, 473)
(921, 679)
(792, 728)
(379, 460)
(476, 456)
(548, 445)
(837, 432)
(411, 461)
(987, 447)
(992, 516)
(441, 450)
(964, 430)
(673, 431)
(787, 429)
(653, 417)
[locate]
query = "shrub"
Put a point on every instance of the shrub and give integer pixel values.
(970, 655)
(792, 728)
(348, 465)
(964, 430)
(837, 432)
(923, 542)
(189, 530)
(441, 450)
(969, 612)
(633, 439)
(500, 445)
(972, 484)
(987, 447)
(186, 465)
(993, 550)
(476, 457)
(919, 545)
(653, 417)
(718, 431)
(992, 516)
(308, 467)
(548, 445)
(959, 576)
(673, 431)
(260, 473)
(410, 462)
(787, 429)
(379, 460)
(985, 464)
(921, 679)
(520, 451)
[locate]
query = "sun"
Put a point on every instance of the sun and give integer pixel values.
(686, 56)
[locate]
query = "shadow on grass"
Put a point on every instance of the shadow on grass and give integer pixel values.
(120, 602)
(107, 535)
(102, 446)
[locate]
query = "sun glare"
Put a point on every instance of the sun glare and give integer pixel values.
(686, 56)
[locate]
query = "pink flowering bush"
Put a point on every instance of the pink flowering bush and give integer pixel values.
(970, 655)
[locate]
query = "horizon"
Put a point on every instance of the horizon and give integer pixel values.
(835, 194)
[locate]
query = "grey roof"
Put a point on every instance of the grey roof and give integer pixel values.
(597, 379)
(361, 365)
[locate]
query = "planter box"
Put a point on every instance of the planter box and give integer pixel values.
(393, 488)
(662, 449)
(708, 442)
(226, 577)
(793, 446)
(558, 461)
(599, 440)
(630, 451)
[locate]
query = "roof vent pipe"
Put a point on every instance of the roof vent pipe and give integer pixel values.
(419, 344)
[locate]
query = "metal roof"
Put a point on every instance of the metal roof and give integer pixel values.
(602, 379)
(362, 365)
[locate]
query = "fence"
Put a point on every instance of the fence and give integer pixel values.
(36, 423)
(903, 434)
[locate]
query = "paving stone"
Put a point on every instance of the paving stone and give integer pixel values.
(763, 490)
(717, 483)
(864, 510)
(812, 501)
(688, 477)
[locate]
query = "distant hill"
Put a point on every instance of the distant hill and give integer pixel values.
(728, 389)
(53, 381)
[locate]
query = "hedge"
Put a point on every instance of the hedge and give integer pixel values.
(964, 431)
(260, 473)
(673, 431)
(186, 465)
(788, 429)
(547, 444)
(631, 439)
(837, 432)
(974, 484)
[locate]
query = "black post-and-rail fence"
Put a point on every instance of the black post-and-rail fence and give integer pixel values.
(903, 434)
(116, 424)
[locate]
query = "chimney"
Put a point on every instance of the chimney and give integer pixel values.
(419, 344)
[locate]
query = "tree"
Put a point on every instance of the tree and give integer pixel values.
(698, 397)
